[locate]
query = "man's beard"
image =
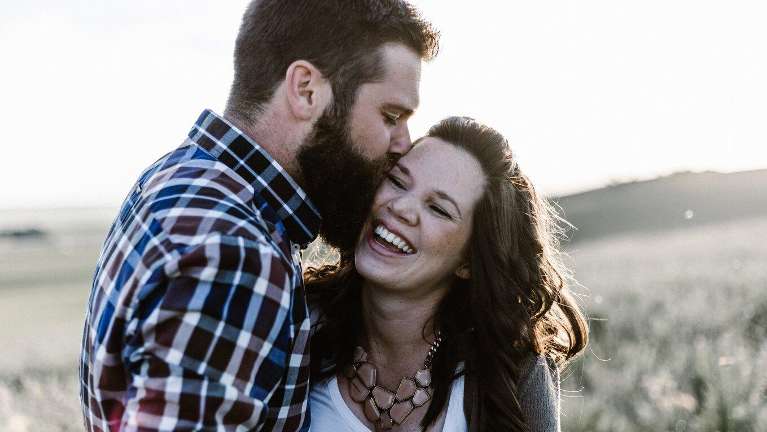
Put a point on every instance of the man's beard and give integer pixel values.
(340, 182)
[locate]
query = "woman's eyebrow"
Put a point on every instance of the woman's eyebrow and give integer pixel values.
(402, 168)
(439, 193)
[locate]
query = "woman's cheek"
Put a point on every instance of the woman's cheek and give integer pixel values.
(445, 241)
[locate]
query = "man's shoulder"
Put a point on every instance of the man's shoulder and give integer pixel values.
(191, 171)
(192, 196)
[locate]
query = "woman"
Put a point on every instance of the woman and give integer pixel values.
(452, 312)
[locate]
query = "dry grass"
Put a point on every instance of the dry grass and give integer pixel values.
(34, 400)
(679, 332)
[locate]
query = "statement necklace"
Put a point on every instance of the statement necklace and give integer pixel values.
(383, 407)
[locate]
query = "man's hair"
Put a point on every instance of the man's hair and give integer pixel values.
(340, 37)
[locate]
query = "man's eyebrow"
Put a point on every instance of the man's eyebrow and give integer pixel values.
(445, 196)
(397, 107)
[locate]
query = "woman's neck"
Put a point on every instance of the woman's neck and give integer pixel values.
(399, 328)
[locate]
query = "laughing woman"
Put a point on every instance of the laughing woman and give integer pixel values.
(453, 312)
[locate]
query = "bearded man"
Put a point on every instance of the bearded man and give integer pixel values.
(197, 318)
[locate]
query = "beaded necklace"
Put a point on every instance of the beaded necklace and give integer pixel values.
(383, 407)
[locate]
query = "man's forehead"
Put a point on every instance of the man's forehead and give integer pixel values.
(402, 76)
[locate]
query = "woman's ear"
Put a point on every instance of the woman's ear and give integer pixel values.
(463, 271)
(308, 92)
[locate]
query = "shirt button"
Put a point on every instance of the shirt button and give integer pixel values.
(296, 252)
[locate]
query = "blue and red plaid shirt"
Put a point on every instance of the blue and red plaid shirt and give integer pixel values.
(197, 318)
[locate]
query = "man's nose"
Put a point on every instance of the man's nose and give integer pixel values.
(400, 140)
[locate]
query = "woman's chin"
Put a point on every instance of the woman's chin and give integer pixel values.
(376, 272)
(369, 268)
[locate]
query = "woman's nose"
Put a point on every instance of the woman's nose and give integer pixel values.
(403, 208)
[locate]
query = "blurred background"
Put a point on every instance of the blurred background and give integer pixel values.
(644, 121)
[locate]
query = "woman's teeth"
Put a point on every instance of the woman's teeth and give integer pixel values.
(393, 239)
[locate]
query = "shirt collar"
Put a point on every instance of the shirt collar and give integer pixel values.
(270, 181)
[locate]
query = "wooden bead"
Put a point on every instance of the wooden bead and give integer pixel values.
(357, 390)
(384, 398)
(420, 397)
(371, 411)
(367, 373)
(423, 377)
(406, 389)
(400, 411)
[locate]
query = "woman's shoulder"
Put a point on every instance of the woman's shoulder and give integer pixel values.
(537, 368)
(539, 392)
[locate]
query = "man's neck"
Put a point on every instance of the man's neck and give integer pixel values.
(276, 140)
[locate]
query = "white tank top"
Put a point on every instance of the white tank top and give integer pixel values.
(329, 412)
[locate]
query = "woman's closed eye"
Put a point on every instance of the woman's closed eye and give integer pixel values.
(399, 184)
(440, 211)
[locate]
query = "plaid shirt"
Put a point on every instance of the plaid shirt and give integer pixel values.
(197, 318)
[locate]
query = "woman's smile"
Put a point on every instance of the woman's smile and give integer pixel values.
(388, 242)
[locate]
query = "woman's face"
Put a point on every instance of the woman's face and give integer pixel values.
(419, 227)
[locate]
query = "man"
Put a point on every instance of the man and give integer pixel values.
(197, 317)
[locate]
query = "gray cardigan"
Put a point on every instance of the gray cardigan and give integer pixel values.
(538, 396)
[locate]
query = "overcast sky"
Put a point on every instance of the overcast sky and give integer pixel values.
(587, 91)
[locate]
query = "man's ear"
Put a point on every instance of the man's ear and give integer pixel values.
(463, 271)
(308, 92)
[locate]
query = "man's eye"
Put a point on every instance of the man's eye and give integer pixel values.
(391, 118)
(440, 211)
(396, 182)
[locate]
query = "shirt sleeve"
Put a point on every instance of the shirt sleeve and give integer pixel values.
(539, 395)
(211, 338)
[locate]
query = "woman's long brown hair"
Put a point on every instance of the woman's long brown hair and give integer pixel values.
(515, 303)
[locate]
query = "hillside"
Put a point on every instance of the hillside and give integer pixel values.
(666, 203)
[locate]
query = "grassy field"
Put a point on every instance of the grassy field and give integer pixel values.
(44, 285)
(679, 327)
(679, 332)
